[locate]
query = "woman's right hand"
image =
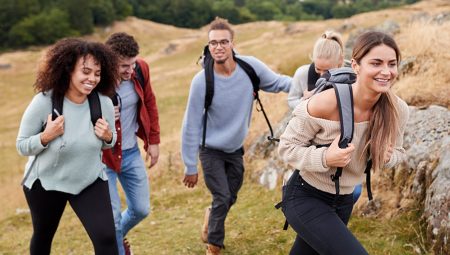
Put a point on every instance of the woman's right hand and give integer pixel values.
(53, 129)
(337, 157)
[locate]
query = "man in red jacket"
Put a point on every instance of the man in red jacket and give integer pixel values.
(136, 116)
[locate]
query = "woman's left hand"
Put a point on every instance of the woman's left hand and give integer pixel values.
(102, 130)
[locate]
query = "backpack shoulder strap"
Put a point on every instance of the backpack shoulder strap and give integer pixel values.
(94, 107)
(139, 75)
(344, 98)
(251, 74)
(312, 77)
(250, 71)
(208, 64)
(57, 107)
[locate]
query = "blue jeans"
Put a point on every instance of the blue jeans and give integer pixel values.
(357, 193)
(134, 181)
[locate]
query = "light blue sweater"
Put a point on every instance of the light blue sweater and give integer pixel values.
(230, 112)
(70, 162)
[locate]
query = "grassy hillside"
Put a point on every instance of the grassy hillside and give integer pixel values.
(254, 227)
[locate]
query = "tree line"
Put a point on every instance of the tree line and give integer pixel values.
(39, 22)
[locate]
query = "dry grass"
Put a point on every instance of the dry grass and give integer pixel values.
(427, 80)
(172, 53)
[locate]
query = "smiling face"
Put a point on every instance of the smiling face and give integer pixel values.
(126, 67)
(85, 76)
(220, 45)
(377, 70)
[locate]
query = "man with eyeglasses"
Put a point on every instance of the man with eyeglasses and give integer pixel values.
(228, 120)
(136, 116)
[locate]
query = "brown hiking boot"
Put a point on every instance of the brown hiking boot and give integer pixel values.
(212, 250)
(204, 231)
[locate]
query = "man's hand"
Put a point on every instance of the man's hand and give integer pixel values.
(153, 154)
(190, 180)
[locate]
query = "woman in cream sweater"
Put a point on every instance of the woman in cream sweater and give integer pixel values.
(318, 217)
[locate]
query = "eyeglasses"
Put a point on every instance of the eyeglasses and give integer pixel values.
(223, 43)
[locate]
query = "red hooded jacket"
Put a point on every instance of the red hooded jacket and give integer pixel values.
(147, 118)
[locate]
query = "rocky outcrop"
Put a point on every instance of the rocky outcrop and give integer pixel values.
(423, 180)
(427, 144)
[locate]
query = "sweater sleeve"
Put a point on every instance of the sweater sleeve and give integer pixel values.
(298, 85)
(28, 142)
(296, 148)
(269, 80)
(108, 114)
(399, 154)
(192, 124)
(150, 105)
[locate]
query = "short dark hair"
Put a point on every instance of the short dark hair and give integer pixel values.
(59, 63)
(123, 44)
(221, 24)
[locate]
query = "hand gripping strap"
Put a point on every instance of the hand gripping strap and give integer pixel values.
(344, 97)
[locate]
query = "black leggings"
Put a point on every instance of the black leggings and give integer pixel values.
(92, 206)
(320, 221)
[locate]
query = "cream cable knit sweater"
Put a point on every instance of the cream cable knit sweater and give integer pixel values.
(297, 148)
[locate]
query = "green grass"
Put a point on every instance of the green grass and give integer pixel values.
(252, 227)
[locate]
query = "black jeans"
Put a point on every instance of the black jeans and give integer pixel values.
(320, 221)
(224, 174)
(92, 206)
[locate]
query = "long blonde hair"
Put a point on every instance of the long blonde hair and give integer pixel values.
(384, 122)
(329, 46)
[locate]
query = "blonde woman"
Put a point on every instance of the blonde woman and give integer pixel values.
(313, 209)
(328, 53)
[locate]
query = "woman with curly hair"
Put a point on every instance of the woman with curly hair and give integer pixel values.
(65, 153)
(312, 207)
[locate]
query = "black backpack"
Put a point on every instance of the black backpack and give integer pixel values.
(340, 79)
(208, 65)
(312, 77)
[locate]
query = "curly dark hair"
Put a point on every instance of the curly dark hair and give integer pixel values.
(123, 44)
(56, 70)
(221, 24)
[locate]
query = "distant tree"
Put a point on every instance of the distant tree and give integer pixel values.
(80, 15)
(122, 8)
(246, 15)
(320, 8)
(191, 13)
(103, 12)
(227, 9)
(43, 28)
(13, 11)
(264, 10)
(343, 10)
